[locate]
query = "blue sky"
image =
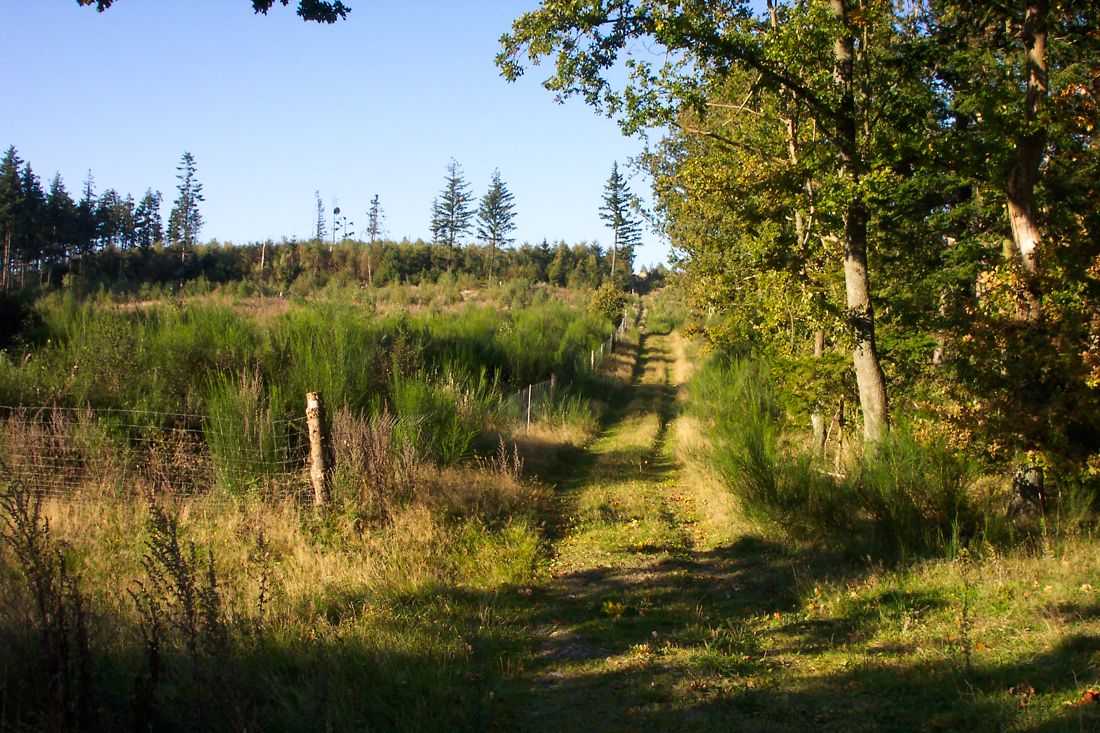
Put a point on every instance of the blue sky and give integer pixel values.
(274, 108)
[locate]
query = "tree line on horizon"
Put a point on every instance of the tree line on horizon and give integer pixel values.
(45, 232)
(453, 215)
(115, 241)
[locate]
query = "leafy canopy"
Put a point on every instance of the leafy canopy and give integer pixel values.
(321, 11)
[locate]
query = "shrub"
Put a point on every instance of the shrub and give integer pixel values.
(608, 302)
(248, 439)
(904, 497)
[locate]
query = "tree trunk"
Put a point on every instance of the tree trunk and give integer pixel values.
(857, 285)
(1020, 189)
(802, 234)
(817, 419)
(614, 250)
(5, 271)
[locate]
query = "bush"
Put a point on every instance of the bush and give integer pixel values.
(608, 302)
(248, 439)
(904, 497)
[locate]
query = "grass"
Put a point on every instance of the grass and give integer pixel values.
(626, 591)
(905, 497)
(324, 623)
(396, 609)
(162, 356)
(236, 378)
(666, 608)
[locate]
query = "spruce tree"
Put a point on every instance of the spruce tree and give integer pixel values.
(85, 234)
(32, 231)
(617, 212)
(451, 212)
(148, 228)
(108, 219)
(561, 265)
(319, 228)
(374, 220)
(496, 217)
(60, 220)
(11, 202)
(185, 221)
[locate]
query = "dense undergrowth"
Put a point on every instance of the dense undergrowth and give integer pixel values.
(134, 606)
(162, 356)
(905, 496)
(238, 374)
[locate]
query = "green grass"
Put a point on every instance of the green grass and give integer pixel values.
(904, 497)
(442, 372)
(654, 617)
(633, 595)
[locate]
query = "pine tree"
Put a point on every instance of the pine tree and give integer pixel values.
(617, 212)
(374, 220)
(11, 202)
(496, 217)
(451, 212)
(185, 221)
(319, 229)
(147, 222)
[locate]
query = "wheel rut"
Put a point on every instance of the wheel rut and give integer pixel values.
(622, 570)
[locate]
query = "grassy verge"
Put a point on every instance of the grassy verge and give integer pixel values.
(668, 608)
(199, 613)
(127, 605)
(795, 631)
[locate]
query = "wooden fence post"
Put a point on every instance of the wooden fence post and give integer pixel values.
(592, 360)
(529, 388)
(320, 450)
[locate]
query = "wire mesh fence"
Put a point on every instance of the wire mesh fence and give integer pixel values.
(60, 450)
(537, 401)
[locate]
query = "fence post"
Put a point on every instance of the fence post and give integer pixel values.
(320, 464)
(553, 385)
(592, 360)
(529, 388)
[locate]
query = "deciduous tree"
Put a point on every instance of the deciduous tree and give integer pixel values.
(321, 11)
(706, 42)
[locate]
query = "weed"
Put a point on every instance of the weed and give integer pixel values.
(175, 587)
(966, 620)
(905, 497)
(375, 466)
(64, 659)
(260, 558)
